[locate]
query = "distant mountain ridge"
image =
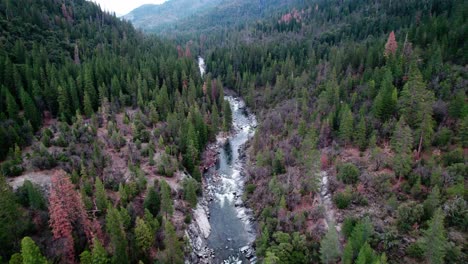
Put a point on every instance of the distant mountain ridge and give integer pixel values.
(150, 17)
(185, 16)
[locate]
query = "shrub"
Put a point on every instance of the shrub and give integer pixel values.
(348, 173)
(443, 137)
(343, 199)
(382, 183)
(188, 219)
(409, 214)
(415, 250)
(456, 211)
(454, 156)
(250, 188)
(348, 226)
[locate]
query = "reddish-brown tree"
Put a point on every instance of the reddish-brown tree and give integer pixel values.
(391, 45)
(188, 53)
(66, 212)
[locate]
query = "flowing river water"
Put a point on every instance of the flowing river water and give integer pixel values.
(223, 228)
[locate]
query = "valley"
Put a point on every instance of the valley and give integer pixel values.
(213, 131)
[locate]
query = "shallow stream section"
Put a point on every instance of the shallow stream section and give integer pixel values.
(223, 228)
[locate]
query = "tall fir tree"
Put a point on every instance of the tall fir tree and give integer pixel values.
(435, 241)
(30, 252)
(330, 246)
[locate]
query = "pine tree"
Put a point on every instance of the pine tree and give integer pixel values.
(12, 107)
(432, 202)
(30, 110)
(435, 240)
(31, 253)
(64, 104)
(10, 218)
(415, 105)
(361, 133)
(152, 201)
(386, 101)
(402, 141)
(330, 246)
(190, 192)
(66, 209)
(173, 253)
(166, 200)
(348, 254)
(346, 124)
(99, 254)
(101, 197)
(88, 106)
(391, 46)
(361, 234)
(143, 235)
(116, 231)
(366, 255)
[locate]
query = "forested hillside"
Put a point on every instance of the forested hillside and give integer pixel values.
(363, 126)
(101, 128)
(154, 18)
(360, 154)
(189, 19)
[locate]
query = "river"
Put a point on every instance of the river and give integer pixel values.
(223, 228)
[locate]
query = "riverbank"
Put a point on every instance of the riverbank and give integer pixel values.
(222, 230)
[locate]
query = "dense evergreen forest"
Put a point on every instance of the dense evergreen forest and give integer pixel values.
(360, 155)
(370, 97)
(113, 121)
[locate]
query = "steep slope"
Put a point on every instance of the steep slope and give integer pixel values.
(157, 17)
(104, 128)
(373, 97)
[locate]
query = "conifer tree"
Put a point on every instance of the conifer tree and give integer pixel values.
(88, 106)
(402, 141)
(386, 101)
(166, 201)
(190, 192)
(10, 218)
(152, 201)
(101, 197)
(12, 107)
(391, 46)
(30, 110)
(361, 133)
(348, 254)
(99, 254)
(435, 242)
(116, 231)
(346, 124)
(330, 246)
(143, 235)
(31, 253)
(415, 105)
(173, 253)
(432, 202)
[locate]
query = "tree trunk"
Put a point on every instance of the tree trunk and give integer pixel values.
(420, 145)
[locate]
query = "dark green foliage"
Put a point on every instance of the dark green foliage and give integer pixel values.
(343, 199)
(30, 253)
(11, 219)
(415, 250)
(348, 173)
(30, 195)
(115, 226)
(409, 214)
(435, 242)
(190, 191)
